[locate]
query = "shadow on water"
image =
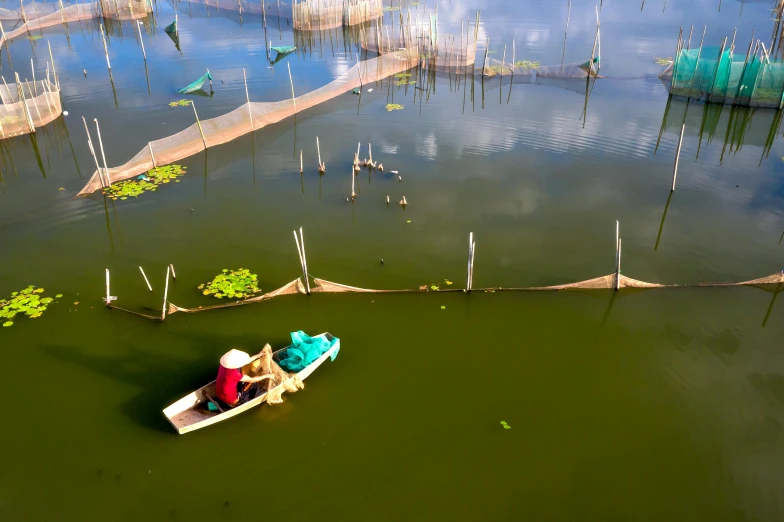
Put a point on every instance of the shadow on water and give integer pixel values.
(162, 378)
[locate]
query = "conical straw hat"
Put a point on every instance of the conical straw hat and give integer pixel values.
(234, 359)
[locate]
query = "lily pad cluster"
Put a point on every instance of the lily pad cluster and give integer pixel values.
(232, 283)
(27, 301)
(435, 288)
(393, 107)
(505, 425)
(145, 183)
(180, 103)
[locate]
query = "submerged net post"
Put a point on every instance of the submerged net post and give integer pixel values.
(171, 266)
(145, 278)
(203, 139)
(468, 272)
(300, 162)
(677, 157)
(23, 99)
(54, 70)
(301, 261)
(108, 298)
(617, 255)
(152, 156)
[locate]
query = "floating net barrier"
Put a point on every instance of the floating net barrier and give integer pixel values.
(247, 118)
(266, 8)
(716, 75)
(772, 283)
(120, 10)
(27, 106)
(29, 11)
(315, 15)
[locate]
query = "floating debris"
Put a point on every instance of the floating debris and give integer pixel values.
(180, 103)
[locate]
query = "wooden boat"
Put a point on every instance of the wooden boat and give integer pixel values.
(191, 412)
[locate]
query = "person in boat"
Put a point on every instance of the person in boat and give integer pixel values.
(232, 386)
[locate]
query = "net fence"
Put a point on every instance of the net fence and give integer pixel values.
(717, 75)
(773, 283)
(247, 118)
(495, 67)
(27, 106)
(313, 15)
(120, 10)
(440, 52)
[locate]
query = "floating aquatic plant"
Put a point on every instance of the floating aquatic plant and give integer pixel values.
(663, 61)
(232, 283)
(525, 64)
(401, 75)
(505, 425)
(27, 301)
(145, 183)
(34, 37)
(405, 82)
(435, 288)
(180, 103)
(391, 8)
(393, 107)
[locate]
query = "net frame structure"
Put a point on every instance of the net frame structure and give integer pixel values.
(27, 106)
(246, 118)
(119, 10)
(315, 15)
(717, 75)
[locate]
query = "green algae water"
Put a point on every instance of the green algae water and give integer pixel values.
(629, 405)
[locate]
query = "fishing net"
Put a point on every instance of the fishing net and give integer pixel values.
(249, 117)
(583, 70)
(719, 76)
(27, 106)
(280, 380)
(171, 28)
(313, 15)
(130, 10)
(197, 85)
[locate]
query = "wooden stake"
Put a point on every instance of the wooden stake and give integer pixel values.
(165, 294)
(108, 298)
(203, 139)
(145, 278)
(32, 69)
(677, 157)
(353, 194)
(318, 150)
(247, 97)
(103, 156)
(172, 271)
(473, 253)
(149, 145)
(105, 48)
(54, 71)
(20, 94)
(300, 162)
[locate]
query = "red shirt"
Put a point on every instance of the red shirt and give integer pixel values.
(226, 384)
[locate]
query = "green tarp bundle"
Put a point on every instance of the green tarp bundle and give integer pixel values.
(303, 350)
(195, 86)
(282, 52)
(758, 82)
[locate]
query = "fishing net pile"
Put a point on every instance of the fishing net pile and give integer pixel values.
(27, 106)
(315, 15)
(247, 118)
(279, 380)
(120, 10)
(717, 75)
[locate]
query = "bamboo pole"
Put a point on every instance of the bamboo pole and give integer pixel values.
(468, 272)
(203, 139)
(149, 145)
(353, 193)
(172, 271)
(473, 253)
(617, 255)
(291, 80)
(304, 261)
(108, 298)
(318, 150)
(21, 95)
(105, 48)
(677, 157)
(247, 97)
(103, 156)
(566, 31)
(54, 70)
(139, 26)
(32, 70)
(301, 170)
(92, 151)
(165, 294)
(40, 120)
(145, 278)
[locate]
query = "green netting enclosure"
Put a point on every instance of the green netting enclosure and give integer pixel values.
(717, 75)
